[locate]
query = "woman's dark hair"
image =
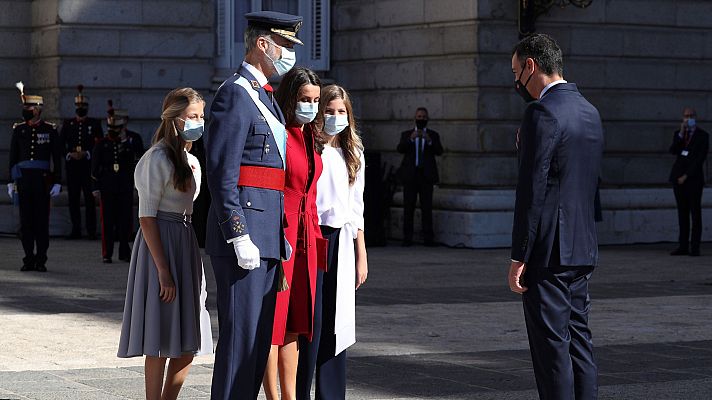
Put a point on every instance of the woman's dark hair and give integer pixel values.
(543, 50)
(288, 92)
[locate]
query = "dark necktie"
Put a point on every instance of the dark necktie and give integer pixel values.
(419, 148)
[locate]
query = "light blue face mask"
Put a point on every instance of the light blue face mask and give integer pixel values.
(192, 130)
(284, 63)
(334, 124)
(691, 122)
(306, 112)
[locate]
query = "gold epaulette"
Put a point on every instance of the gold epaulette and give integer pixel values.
(16, 124)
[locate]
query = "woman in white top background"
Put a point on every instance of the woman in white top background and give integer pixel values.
(340, 208)
(164, 313)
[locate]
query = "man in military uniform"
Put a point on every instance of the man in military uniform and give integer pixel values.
(112, 168)
(34, 143)
(134, 138)
(244, 235)
(79, 135)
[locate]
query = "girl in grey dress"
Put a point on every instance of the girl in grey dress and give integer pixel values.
(164, 313)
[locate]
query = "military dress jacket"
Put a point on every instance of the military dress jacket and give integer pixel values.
(113, 163)
(33, 143)
(80, 135)
(239, 135)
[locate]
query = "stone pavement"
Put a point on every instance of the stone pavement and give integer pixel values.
(433, 323)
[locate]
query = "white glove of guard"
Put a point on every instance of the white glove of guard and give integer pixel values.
(56, 188)
(248, 255)
(10, 190)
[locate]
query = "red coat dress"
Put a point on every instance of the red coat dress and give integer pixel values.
(295, 306)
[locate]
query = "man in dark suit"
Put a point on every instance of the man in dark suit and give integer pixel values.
(554, 244)
(419, 172)
(245, 158)
(690, 144)
(79, 135)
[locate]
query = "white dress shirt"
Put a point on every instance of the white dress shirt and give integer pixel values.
(261, 79)
(549, 86)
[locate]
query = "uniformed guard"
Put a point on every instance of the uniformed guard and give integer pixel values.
(79, 135)
(34, 143)
(134, 138)
(112, 166)
(245, 151)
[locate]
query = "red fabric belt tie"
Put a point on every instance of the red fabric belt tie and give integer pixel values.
(262, 177)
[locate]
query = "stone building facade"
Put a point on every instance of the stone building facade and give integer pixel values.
(638, 61)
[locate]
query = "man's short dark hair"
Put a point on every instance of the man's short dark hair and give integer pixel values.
(544, 50)
(422, 109)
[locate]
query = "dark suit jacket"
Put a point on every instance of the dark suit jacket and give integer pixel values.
(406, 147)
(237, 134)
(561, 148)
(691, 164)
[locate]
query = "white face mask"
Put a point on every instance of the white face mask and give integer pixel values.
(306, 112)
(334, 124)
(284, 63)
(192, 130)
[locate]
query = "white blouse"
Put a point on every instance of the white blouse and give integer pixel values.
(340, 205)
(337, 202)
(153, 178)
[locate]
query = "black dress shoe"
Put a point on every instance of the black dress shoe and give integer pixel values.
(74, 236)
(27, 268)
(125, 259)
(695, 253)
(106, 260)
(407, 243)
(41, 268)
(430, 243)
(91, 236)
(679, 252)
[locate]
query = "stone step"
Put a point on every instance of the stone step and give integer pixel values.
(483, 218)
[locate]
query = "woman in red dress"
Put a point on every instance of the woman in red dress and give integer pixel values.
(298, 98)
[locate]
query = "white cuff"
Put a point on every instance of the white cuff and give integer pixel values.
(238, 239)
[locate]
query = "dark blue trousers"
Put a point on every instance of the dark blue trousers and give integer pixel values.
(246, 301)
(319, 353)
(556, 307)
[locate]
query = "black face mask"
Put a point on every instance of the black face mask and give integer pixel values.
(113, 133)
(421, 123)
(27, 114)
(522, 88)
(82, 112)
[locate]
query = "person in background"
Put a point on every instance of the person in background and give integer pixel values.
(340, 207)
(298, 98)
(113, 163)
(34, 144)
(134, 138)
(419, 172)
(79, 135)
(690, 145)
(164, 312)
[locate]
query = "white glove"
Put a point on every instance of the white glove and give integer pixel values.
(248, 255)
(56, 188)
(10, 190)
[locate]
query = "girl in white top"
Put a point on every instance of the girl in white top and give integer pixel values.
(340, 208)
(164, 313)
